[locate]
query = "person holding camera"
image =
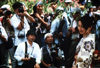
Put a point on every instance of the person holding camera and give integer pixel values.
(19, 21)
(50, 57)
(28, 53)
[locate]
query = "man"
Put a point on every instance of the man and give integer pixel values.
(3, 50)
(20, 24)
(50, 57)
(33, 50)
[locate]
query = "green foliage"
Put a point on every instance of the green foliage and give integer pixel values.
(30, 6)
(88, 4)
(2, 2)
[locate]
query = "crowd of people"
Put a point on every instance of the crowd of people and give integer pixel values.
(66, 36)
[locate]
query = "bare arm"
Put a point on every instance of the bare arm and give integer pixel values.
(29, 17)
(38, 16)
(3, 38)
(21, 25)
(47, 65)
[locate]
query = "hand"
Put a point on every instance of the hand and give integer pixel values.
(26, 14)
(8, 20)
(73, 30)
(21, 14)
(36, 66)
(25, 59)
(48, 65)
(48, 27)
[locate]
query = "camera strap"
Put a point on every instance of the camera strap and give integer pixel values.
(25, 49)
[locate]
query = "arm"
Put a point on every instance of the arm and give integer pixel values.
(47, 65)
(3, 38)
(16, 22)
(38, 56)
(21, 25)
(54, 25)
(43, 22)
(3, 35)
(18, 53)
(29, 17)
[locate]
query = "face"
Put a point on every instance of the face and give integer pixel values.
(49, 39)
(81, 28)
(39, 7)
(31, 38)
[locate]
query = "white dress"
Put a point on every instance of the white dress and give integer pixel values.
(84, 51)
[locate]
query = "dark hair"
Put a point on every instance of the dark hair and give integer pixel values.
(30, 32)
(86, 21)
(17, 5)
(35, 8)
(7, 13)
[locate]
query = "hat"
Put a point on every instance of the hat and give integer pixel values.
(92, 6)
(60, 8)
(82, 7)
(47, 34)
(39, 3)
(7, 12)
(30, 32)
(97, 12)
(67, 1)
(6, 6)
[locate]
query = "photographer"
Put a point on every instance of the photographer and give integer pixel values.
(50, 58)
(20, 24)
(28, 54)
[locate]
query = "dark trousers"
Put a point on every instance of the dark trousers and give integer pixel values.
(22, 67)
(3, 56)
(11, 53)
(65, 45)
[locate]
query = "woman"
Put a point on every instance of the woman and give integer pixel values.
(86, 46)
(40, 25)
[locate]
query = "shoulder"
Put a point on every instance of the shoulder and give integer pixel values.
(56, 20)
(90, 37)
(35, 44)
(44, 47)
(21, 44)
(13, 17)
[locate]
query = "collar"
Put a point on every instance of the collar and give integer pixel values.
(52, 46)
(29, 44)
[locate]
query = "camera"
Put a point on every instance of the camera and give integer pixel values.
(21, 10)
(21, 34)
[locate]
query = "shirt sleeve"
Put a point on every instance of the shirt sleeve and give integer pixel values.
(19, 54)
(26, 25)
(66, 19)
(38, 54)
(15, 21)
(54, 25)
(4, 33)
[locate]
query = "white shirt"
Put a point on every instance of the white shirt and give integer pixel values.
(97, 28)
(55, 24)
(65, 15)
(15, 21)
(3, 32)
(33, 51)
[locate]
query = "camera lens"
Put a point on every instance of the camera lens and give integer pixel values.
(21, 10)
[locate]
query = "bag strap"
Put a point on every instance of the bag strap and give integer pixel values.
(26, 50)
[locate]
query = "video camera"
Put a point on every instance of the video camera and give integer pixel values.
(21, 10)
